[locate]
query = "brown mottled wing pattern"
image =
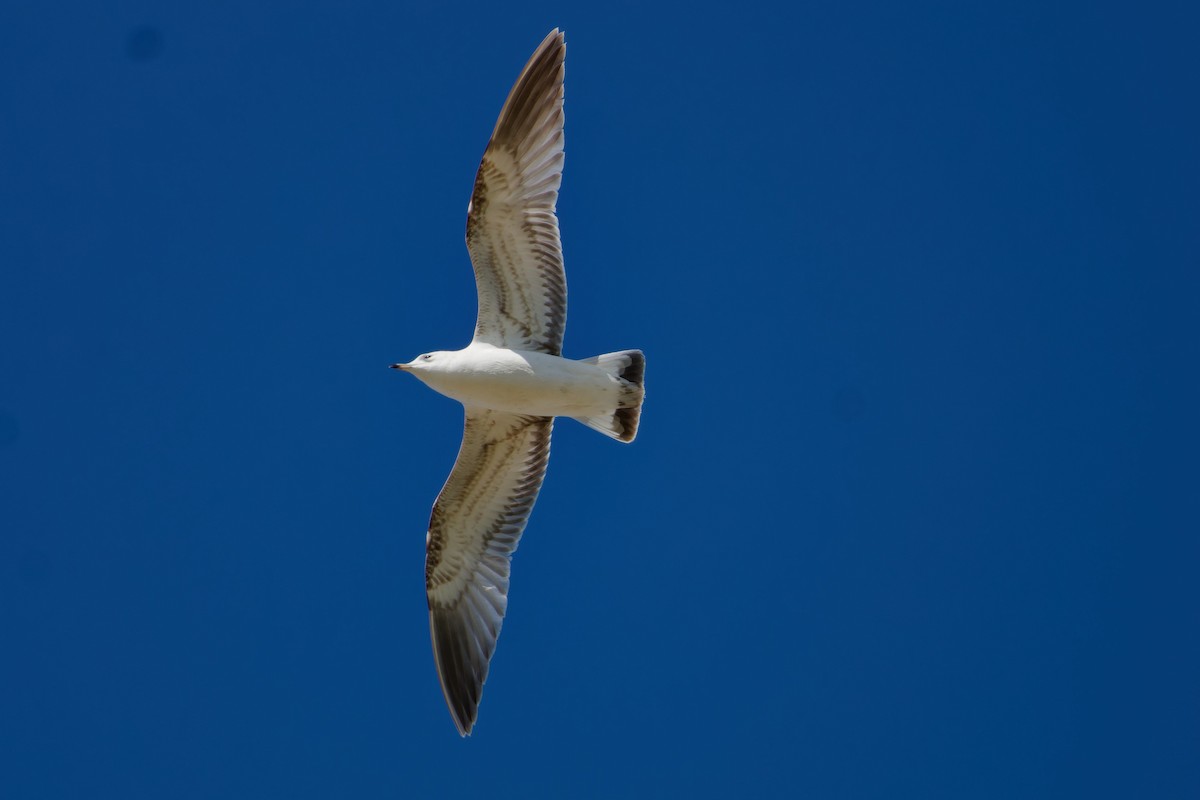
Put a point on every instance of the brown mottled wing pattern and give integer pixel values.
(474, 529)
(512, 231)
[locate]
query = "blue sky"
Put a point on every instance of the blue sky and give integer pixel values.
(913, 509)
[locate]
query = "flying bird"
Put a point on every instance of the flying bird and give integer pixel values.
(512, 381)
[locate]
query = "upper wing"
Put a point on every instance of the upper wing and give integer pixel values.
(474, 529)
(512, 232)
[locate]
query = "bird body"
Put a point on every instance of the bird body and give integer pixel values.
(482, 375)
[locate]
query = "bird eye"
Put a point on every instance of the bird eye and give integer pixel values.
(426, 357)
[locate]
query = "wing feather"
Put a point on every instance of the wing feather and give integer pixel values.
(473, 532)
(512, 230)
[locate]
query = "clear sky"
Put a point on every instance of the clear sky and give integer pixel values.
(913, 510)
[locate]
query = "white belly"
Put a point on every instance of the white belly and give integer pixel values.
(523, 382)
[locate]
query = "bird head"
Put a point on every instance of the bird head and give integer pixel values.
(423, 363)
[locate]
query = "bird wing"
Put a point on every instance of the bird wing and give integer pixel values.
(512, 231)
(476, 523)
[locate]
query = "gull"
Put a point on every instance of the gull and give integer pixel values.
(512, 381)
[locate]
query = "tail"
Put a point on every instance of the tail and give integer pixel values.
(629, 368)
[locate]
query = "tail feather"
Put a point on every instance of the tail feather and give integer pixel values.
(629, 368)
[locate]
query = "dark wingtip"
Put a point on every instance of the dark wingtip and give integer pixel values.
(539, 83)
(462, 680)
